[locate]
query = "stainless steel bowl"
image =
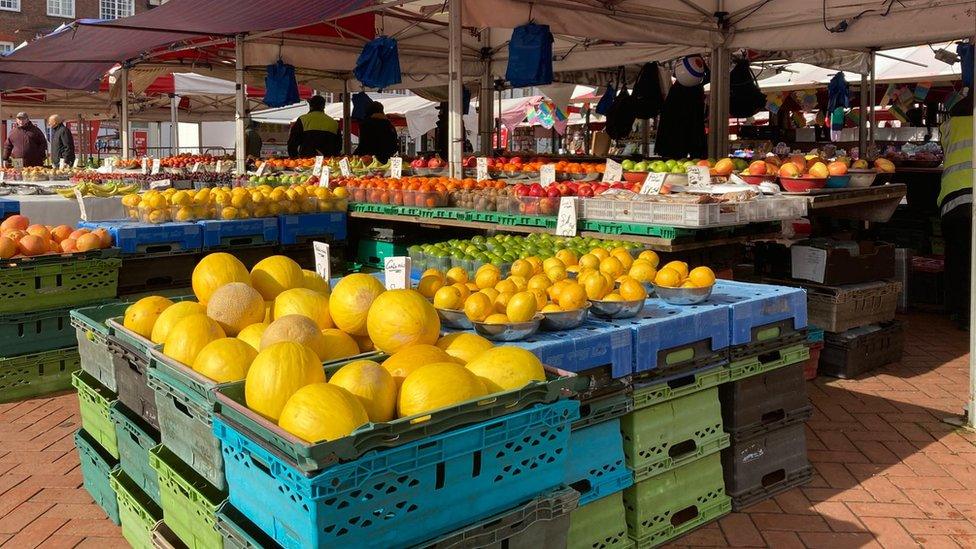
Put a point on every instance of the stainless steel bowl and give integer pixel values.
(508, 332)
(452, 318)
(861, 178)
(616, 309)
(683, 296)
(564, 320)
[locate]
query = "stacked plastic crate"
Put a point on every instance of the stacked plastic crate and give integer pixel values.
(764, 404)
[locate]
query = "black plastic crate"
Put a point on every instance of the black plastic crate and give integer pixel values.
(141, 273)
(132, 381)
(759, 468)
(765, 402)
(851, 353)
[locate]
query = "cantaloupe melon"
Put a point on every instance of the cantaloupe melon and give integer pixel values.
(235, 306)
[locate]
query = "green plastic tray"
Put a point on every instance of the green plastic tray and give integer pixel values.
(665, 506)
(66, 283)
(37, 374)
(91, 333)
(484, 217)
(95, 401)
(443, 213)
(25, 333)
(600, 524)
(665, 436)
(138, 513)
(189, 502)
(638, 229)
(655, 392)
(313, 457)
(771, 360)
(135, 439)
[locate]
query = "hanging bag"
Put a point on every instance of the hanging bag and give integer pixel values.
(378, 65)
(280, 85)
(603, 107)
(647, 96)
(622, 115)
(745, 97)
(530, 56)
(360, 105)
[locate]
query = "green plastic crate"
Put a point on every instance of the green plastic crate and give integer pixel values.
(189, 502)
(90, 333)
(652, 393)
(765, 362)
(26, 333)
(661, 437)
(600, 524)
(663, 507)
(139, 514)
(638, 229)
(95, 401)
(373, 252)
(135, 439)
(96, 466)
(30, 287)
(37, 374)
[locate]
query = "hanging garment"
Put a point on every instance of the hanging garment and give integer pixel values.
(360, 105)
(378, 65)
(280, 85)
(647, 96)
(682, 130)
(622, 115)
(837, 93)
(530, 56)
(603, 107)
(745, 97)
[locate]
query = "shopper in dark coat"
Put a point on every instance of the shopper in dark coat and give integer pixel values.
(62, 142)
(377, 137)
(25, 141)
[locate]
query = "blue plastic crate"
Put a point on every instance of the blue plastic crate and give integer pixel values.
(673, 336)
(9, 207)
(404, 495)
(756, 305)
(135, 237)
(96, 465)
(596, 466)
(298, 228)
(814, 334)
(239, 232)
(591, 345)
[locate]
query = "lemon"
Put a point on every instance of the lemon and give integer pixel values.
(521, 307)
(448, 297)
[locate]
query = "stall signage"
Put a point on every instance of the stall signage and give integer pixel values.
(613, 171)
(322, 266)
(396, 271)
(324, 178)
(157, 166)
(317, 168)
(82, 211)
(344, 168)
(396, 167)
(699, 177)
(547, 174)
(566, 220)
(482, 168)
(653, 183)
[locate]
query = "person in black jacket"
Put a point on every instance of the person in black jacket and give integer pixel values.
(62, 142)
(314, 133)
(377, 137)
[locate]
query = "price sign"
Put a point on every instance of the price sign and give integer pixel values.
(156, 166)
(652, 183)
(17, 163)
(613, 171)
(108, 163)
(396, 167)
(77, 162)
(82, 212)
(344, 167)
(481, 169)
(62, 164)
(161, 184)
(396, 272)
(220, 166)
(260, 170)
(547, 174)
(566, 220)
(145, 165)
(699, 177)
(317, 168)
(195, 168)
(322, 266)
(324, 178)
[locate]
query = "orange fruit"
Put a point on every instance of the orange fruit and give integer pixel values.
(477, 307)
(501, 302)
(432, 272)
(613, 297)
(702, 277)
(521, 307)
(536, 264)
(491, 293)
(521, 283)
(507, 285)
(448, 297)
(600, 253)
(487, 278)
(556, 273)
(571, 297)
(597, 286)
(679, 267)
(541, 299)
(688, 284)
(667, 277)
(589, 261)
(612, 266)
(568, 257)
(551, 308)
(631, 290)
(539, 282)
(463, 289)
(429, 285)
(457, 274)
(624, 258)
(522, 267)
(642, 271)
(651, 257)
(497, 318)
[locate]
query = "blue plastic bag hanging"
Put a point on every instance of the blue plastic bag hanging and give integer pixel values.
(530, 56)
(837, 93)
(603, 107)
(360, 105)
(280, 86)
(378, 65)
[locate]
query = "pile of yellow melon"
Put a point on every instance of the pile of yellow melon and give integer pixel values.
(535, 286)
(274, 326)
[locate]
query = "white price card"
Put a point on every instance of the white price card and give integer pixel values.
(322, 266)
(82, 212)
(220, 166)
(653, 183)
(344, 167)
(145, 164)
(698, 176)
(317, 168)
(77, 162)
(396, 167)
(108, 163)
(157, 166)
(324, 178)
(161, 184)
(566, 220)
(613, 171)
(62, 164)
(396, 271)
(260, 170)
(195, 168)
(481, 168)
(547, 174)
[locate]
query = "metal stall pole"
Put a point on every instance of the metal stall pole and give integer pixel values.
(174, 124)
(872, 98)
(971, 415)
(239, 113)
(862, 134)
(455, 129)
(645, 130)
(722, 102)
(485, 105)
(346, 119)
(124, 112)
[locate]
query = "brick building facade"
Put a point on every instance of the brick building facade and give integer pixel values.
(22, 20)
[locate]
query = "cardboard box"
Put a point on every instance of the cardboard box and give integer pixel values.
(833, 262)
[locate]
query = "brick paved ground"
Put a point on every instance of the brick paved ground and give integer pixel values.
(889, 472)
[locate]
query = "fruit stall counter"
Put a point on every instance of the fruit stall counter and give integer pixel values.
(869, 204)
(53, 209)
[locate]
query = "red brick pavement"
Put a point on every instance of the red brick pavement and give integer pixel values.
(890, 473)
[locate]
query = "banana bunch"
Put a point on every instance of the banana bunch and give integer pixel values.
(103, 190)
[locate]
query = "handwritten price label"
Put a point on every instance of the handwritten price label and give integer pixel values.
(482, 168)
(566, 220)
(547, 174)
(699, 177)
(317, 168)
(344, 167)
(396, 272)
(161, 184)
(260, 170)
(156, 166)
(613, 171)
(396, 167)
(322, 266)
(145, 165)
(324, 178)
(196, 167)
(653, 183)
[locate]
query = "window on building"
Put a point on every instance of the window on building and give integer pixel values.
(10, 5)
(114, 9)
(61, 8)
(6, 47)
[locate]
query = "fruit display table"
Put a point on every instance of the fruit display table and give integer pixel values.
(52, 209)
(868, 204)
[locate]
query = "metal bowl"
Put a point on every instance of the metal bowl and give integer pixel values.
(508, 332)
(564, 320)
(861, 178)
(616, 309)
(683, 296)
(453, 318)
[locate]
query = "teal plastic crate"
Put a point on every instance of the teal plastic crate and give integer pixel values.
(37, 374)
(138, 513)
(96, 466)
(90, 334)
(95, 401)
(373, 252)
(35, 332)
(135, 439)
